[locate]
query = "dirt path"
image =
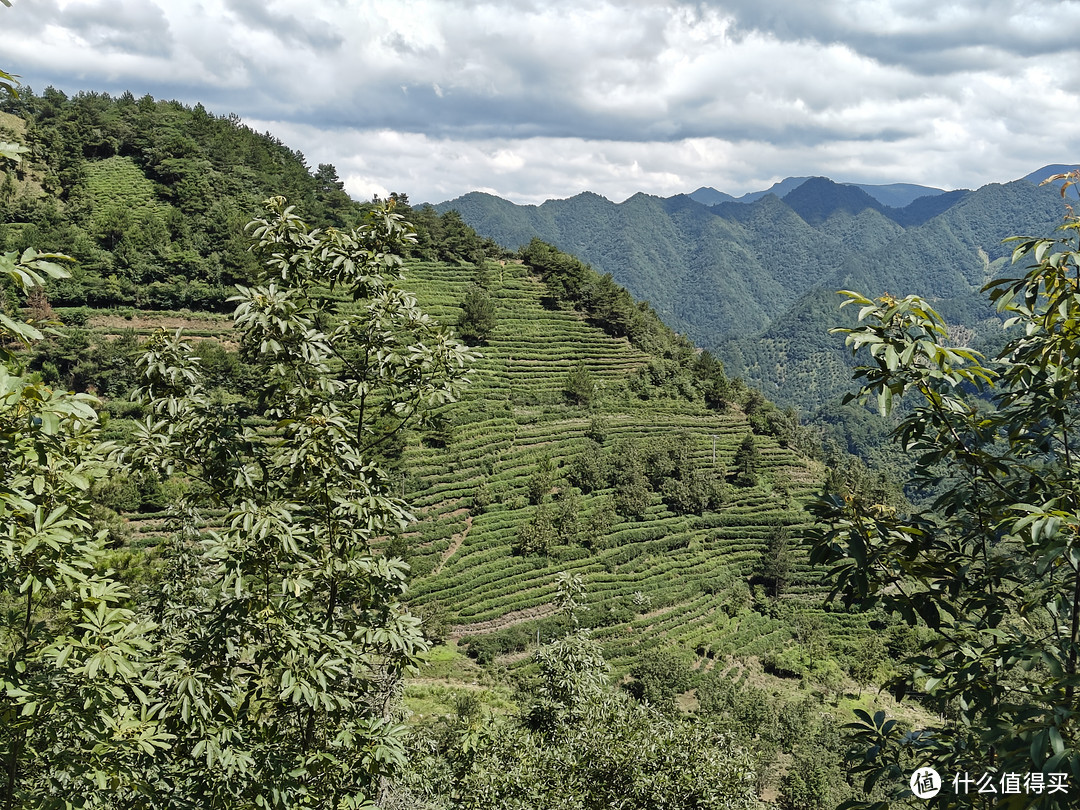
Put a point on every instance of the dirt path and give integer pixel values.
(507, 620)
(455, 544)
(164, 322)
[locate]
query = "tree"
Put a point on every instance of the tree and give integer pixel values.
(572, 669)
(745, 464)
(589, 469)
(632, 496)
(541, 481)
(477, 320)
(579, 387)
(658, 678)
(992, 568)
(868, 658)
(774, 565)
(283, 639)
(536, 534)
(75, 711)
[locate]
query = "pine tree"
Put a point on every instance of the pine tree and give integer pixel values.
(747, 459)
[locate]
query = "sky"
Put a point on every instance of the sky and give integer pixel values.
(543, 100)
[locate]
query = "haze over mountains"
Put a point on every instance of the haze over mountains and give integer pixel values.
(754, 278)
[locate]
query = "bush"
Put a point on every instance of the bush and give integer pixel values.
(632, 497)
(589, 469)
(482, 497)
(477, 320)
(74, 316)
(579, 387)
(118, 492)
(658, 676)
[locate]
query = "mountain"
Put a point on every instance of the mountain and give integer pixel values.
(1049, 170)
(947, 259)
(592, 439)
(712, 273)
(892, 195)
(819, 198)
(923, 208)
(710, 196)
(1039, 175)
(779, 189)
(754, 281)
(897, 195)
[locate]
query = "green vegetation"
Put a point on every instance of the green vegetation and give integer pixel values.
(990, 568)
(754, 283)
(262, 651)
(477, 315)
(296, 452)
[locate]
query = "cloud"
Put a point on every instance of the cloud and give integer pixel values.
(474, 92)
(105, 27)
(312, 33)
(531, 170)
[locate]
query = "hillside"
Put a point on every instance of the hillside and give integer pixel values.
(752, 281)
(592, 445)
(590, 427)
(653, 581)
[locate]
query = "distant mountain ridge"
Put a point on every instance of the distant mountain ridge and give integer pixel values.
(755, 281)
(892, 195)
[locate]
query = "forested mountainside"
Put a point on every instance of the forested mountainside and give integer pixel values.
(599, 505)
(151, 198)
(755, 282)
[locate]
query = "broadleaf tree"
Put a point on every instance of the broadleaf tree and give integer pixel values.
(283, 636)
(76, 709)
(992, 566)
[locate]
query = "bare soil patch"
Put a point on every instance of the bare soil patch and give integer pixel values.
(158, 321)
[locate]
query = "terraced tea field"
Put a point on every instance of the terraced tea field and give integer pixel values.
(661, 580)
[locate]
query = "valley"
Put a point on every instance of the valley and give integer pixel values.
(320, 544)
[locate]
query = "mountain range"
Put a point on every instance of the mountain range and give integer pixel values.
(895, 195)
(753, 279)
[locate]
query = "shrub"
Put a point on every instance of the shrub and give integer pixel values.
(579, 387)
(477, 320)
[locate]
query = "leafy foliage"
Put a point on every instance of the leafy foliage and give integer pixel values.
(263, 672)
(992, 570)
(477, 315)
(75, 711)
(745, 465)
(286, 597)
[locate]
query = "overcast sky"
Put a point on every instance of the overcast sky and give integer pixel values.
(536, 100)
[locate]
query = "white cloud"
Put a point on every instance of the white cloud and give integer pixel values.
(533, 100)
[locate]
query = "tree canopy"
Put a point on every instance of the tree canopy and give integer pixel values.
(262, 671)
(991, 567)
